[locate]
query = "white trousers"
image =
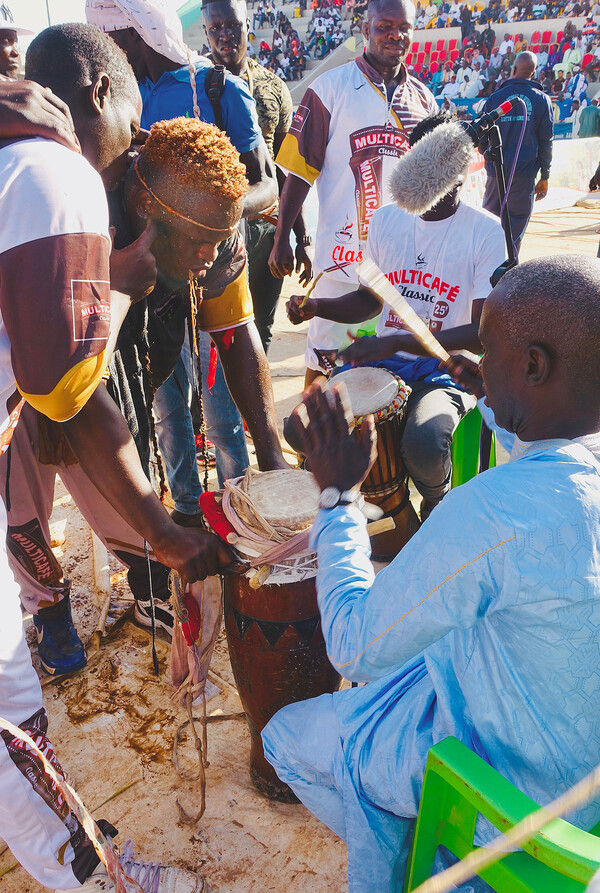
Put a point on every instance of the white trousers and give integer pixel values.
(35, 822)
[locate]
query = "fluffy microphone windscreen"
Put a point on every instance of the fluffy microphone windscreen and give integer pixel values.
(431, 168)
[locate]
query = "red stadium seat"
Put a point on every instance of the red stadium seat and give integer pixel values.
(535, 48)
(433, 57)
(433, 67)
(415, 47)
(420, 59)
(546, 36)
(559, 36)
(587, 60)
(427, 47)
(408, 59)
(442, 56)
(454, 56)
(440, 45)
(452, 44)
(536, 37)
(417, 68)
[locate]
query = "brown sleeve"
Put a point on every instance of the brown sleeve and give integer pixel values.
(55, 304)
(303, 150)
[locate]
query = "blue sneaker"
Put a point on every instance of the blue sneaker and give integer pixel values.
(60, 648)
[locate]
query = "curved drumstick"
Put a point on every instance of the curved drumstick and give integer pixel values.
(310, 290)
(373, 278)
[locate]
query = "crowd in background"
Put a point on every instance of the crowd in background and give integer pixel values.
(442, 13)
(564, 71)
(484, 59)
(286, 54)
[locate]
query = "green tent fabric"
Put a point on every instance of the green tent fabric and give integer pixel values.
(189, 13)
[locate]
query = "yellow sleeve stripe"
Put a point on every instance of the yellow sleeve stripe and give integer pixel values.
(289, 159)
(72, 392)
(424, 599)
(230, 309)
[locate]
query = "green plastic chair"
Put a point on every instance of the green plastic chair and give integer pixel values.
(466, 448)
(457, 786)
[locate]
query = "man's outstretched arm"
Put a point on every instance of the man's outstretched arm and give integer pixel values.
(102, 443)
(249, 381)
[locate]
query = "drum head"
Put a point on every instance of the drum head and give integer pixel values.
(288, 498)
(370, 389)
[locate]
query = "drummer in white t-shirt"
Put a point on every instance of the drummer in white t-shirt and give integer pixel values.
(441, 263)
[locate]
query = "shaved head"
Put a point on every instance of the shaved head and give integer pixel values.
(385, 5)
(541, 339)
(525, 65)
(555, 301)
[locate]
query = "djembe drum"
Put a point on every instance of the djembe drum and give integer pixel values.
(273, 628)
(377, 391)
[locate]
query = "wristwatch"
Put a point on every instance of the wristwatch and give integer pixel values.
(306, 240)
(332, 496)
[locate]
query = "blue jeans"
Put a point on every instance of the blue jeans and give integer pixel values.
(176, 433)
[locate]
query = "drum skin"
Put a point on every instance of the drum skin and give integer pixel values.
(278, 656)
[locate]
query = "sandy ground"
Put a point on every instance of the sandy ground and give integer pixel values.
(114, 723)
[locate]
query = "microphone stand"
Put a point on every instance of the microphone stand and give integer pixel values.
(494, 152)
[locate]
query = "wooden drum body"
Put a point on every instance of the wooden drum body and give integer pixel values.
(278, 656)
(377, 391)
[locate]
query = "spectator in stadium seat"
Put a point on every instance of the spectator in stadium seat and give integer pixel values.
(488, 36)
(451, 89)
(507, 45)
(571, 58)
(462, 72)
(496, 59)
(470, 87)
(569, 32)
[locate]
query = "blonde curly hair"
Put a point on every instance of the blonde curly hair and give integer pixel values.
(194, 155)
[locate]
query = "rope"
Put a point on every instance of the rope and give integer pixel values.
(188, 691)
(195, 302)
(581, 793)
(152, 610)
(192, 71)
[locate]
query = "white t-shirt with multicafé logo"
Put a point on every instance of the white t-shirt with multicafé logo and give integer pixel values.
(439, 266)
(346, 136)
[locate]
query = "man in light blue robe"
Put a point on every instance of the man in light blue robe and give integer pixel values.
(486, 626)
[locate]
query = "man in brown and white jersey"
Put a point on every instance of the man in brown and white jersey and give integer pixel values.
(58, 326)
(351, 126)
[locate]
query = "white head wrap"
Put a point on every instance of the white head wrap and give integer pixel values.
(155, 21)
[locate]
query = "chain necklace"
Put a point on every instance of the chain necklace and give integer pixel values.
(195, 303)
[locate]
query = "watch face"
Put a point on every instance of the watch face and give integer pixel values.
(329, 498)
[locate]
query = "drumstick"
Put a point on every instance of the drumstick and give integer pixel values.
(311, 288)
(372, 276)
